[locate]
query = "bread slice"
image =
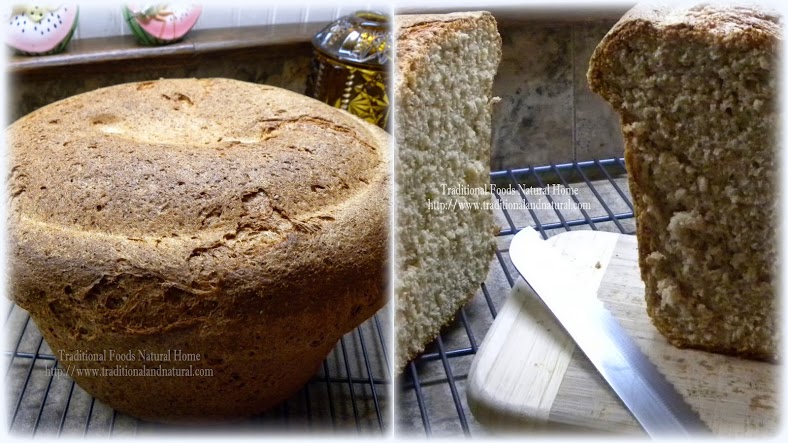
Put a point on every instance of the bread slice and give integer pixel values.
(443, 84)
(241, 225)
(695, 87)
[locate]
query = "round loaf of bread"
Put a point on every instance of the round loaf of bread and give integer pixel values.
(200, 245)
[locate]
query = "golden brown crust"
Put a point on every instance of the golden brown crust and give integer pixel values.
(723, 24)
(241, 222)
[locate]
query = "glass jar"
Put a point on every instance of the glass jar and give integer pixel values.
(350, 66)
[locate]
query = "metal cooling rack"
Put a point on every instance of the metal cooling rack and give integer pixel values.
(431, 399)
(348, 395)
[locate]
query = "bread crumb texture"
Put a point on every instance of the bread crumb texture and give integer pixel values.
(240, 222)
(696, 89)
(444, 72)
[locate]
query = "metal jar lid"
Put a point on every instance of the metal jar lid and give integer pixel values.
(361, 39)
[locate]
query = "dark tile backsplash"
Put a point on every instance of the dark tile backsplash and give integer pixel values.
(547, 114)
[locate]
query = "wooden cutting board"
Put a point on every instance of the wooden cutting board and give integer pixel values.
(528, 373)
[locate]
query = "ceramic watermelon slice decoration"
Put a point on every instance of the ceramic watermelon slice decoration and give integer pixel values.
(41, 30)
(161, 24)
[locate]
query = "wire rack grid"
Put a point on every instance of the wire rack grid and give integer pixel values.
(432, 398)
(349, 394)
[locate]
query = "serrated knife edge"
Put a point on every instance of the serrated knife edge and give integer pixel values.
(652, 399)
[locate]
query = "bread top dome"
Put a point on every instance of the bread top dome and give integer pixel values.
(182, 157)
(151, 207)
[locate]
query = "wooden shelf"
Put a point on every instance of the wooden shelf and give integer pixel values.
(125, 48)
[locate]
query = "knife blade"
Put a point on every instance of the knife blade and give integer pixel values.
(652, 399)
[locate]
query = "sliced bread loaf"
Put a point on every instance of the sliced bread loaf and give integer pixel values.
(695, 86)
(443, 83)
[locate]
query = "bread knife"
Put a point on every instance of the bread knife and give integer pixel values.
(652, 399)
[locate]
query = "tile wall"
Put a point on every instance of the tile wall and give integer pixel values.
(547, 114)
